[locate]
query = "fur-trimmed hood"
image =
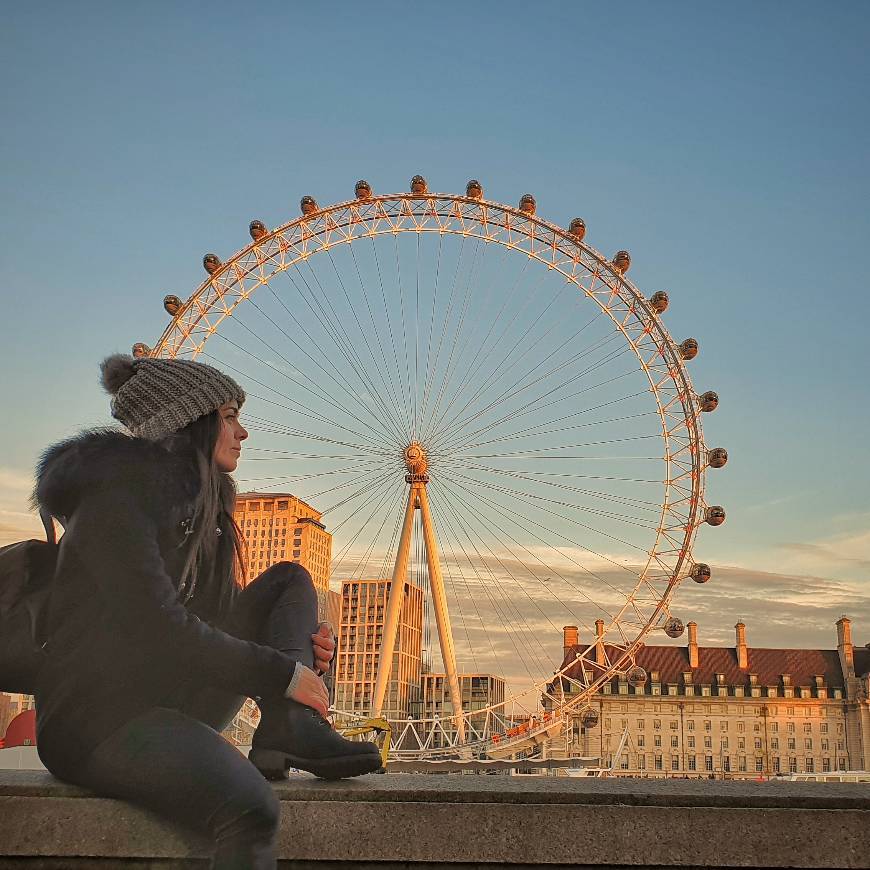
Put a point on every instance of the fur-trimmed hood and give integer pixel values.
(109, 458)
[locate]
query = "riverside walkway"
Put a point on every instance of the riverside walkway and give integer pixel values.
(466, 821)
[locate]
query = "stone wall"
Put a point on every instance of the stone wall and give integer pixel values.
(466, 821)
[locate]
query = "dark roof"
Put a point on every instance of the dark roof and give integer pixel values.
(862, 660)
(802, 665)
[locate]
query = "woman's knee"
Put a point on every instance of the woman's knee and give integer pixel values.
(291, 573)
(294, 582)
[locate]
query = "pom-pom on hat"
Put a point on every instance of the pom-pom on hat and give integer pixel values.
(155, 397)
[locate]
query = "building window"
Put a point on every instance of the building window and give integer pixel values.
(792, 765)
(640, 724)
(708, 725)
(693, 763)
(758, 743)
(726, 764)
(790, 727)
(708, 762)
(759, 765)
(657, 740)
(791, 743)
(774, 743)
(690, 725)
(810, 765)
(741, 763)
(825, 746)
(641, 762)
(708, 743)
(741, 727)
(724, 742)
(640, 741)
(691, 741)
(723, 726)
(657, 724)
(658, 762)
(826, 765)
(675, 742)
(808, 743)
(776, 764)
(675, 762)
(841, 764)
(808, 727)
(824, 727)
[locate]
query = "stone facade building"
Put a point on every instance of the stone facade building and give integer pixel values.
(734, 712)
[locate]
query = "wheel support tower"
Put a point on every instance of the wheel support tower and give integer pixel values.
(417, 465)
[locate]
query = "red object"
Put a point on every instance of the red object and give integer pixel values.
(21, 730)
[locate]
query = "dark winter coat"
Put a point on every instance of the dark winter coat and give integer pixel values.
(120, 641)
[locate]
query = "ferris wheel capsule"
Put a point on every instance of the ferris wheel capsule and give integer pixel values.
(362, 189)
(715, 515)
(700, 572)
(577, 228)
(140, 349)
(528, 204)
(211, 263)
(659, 301)
(689, 349)
(473, 189)
(636, 676)
(172, 304)
(308, 205)
(717, 457)
(708, 401)
(674, 627)
(418, 185)
(621, 262)
(258, 230)
(589, 718)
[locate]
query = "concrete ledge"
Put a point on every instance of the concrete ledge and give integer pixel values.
(407, 821)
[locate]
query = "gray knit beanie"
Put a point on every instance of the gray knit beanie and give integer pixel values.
(155, 397)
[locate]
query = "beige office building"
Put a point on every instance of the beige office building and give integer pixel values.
(279, 527)
(733, 712)
(363, 603)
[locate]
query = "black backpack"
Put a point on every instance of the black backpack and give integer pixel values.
(26, 573)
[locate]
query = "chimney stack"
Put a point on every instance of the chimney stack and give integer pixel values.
(742, 654)
(692, 628)
(844, 646)
(570, 638)
(599, 646)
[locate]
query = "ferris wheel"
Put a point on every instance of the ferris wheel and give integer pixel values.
(486, 408)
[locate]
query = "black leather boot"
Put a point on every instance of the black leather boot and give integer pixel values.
(293, 735)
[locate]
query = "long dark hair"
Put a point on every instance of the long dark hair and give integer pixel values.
(215, 558)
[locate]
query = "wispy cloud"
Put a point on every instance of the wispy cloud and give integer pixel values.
(16, 519)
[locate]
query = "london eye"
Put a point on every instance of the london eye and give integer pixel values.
(482, 406)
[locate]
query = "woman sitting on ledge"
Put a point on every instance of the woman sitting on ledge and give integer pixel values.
(153, 647)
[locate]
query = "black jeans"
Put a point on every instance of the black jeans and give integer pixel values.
(175, 763)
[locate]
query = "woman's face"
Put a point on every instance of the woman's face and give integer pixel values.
(229, 442)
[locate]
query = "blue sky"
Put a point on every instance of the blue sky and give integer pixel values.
(726, 146)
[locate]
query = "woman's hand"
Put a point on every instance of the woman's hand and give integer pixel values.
(310, 690)
(324, 647)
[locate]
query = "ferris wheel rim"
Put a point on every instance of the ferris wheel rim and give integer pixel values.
(605, 272)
